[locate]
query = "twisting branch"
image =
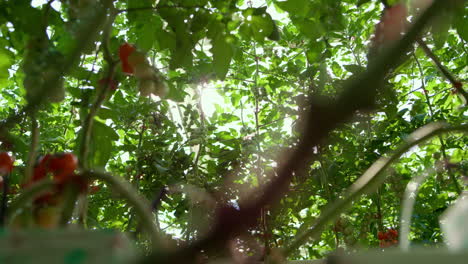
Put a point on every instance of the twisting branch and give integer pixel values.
(32, 148)
(369, 181)
(322, 119)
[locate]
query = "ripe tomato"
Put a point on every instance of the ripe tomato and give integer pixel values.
(62, 165)
(392, 234)
(382, 236)
(6, 163)
(39, 173)
(124, 51)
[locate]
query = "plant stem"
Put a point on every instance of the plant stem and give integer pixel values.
(28, 172)
(155, 8)
(88, 122)
(138, 168)
(455, 83)
(102, 94)
(71, 192)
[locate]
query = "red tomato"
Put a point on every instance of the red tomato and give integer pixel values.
(6, 163)
(39, 173)
(62, 165)
(124, 51)
(392, 234)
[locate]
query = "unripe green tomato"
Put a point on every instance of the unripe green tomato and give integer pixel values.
(146, 87)
(58, 93)
(143, 71)
(348, 230)
(32, 84)
(350, 240)
(160, 88)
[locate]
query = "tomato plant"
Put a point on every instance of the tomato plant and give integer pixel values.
(233, 127)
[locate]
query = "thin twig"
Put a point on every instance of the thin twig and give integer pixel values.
(102, 94)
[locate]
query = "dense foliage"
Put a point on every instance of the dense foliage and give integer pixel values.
(240, 76)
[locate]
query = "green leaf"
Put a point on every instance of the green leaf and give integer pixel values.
(354, 69)
(361, 2)
(295, 7)
(440, 29)
(461, 25)
(310, 28)
(258, 25)
(101, 146)
(5, 63)
(222, 54)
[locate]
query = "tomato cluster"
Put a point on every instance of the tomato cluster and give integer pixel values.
(389, 238)
(62, 169)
